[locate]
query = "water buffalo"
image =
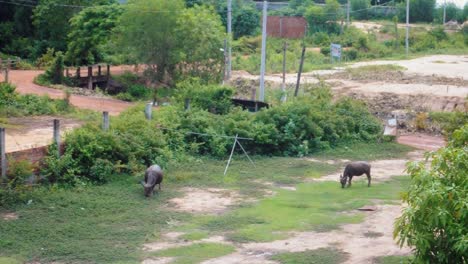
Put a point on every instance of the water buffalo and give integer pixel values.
(357, 168)
(153, 176)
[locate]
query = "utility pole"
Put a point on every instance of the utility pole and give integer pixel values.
(407, 28)
(262, 66)
(229, 31)
(445, 5)
(347, 13)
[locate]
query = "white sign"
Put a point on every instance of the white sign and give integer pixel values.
(335, 51)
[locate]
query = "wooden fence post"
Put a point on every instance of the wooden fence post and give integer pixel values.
(57, 135)
(7, 68)
(105, 121)
(67, 72)
(99, 70)
(3, 153)
(187, 104)
(107, 76)
(78, 73)
(90, 77)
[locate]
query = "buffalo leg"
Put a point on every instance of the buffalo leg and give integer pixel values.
(349, 181)
(160, 186)
(368, 179)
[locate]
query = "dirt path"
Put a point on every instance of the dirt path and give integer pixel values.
(25, 85)
(31, 132)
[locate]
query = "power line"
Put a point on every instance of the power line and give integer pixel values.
(32, 3)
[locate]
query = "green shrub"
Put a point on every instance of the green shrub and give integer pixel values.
(101, 171)
(325, 51)
(139, 91)
(18, 171)
(434, 222)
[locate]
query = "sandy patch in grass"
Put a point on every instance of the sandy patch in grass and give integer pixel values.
(210, 200)
(9, 216)
(351, 238)
(162, 260)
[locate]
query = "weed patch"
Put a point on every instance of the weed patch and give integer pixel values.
(196, 253)
(318, 256)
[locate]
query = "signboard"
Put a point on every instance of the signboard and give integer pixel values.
(335, 51)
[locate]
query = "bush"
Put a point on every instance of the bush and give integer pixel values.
(101, 171)
(434, 222)
(13, 104)
(18, 171)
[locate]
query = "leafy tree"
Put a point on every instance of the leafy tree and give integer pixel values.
(359, 8)
(246, 22)
(324, 18)
(51, 20)
(16, 30)
(201, 37)
(420, 10)
(435, 221)
(90, 30)
(150, 35)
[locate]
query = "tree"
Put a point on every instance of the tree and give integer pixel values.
(173, 40)
(201, 36)
(359, 8)
(51, 20)
(246, 22)
(420, 10)
(148, 30)
(325, 18)
(435, 220)
(90, 31)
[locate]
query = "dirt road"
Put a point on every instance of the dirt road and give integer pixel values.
(24, 81)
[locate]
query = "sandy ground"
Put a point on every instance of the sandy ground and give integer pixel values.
(30, 132)
(210, 200)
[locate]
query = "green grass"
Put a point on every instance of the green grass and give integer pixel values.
(195, 253)
(318, 256)
(98, 224)
(10, 261)
(393, 260)
(110, 223)
(313, 206)
(365, 151)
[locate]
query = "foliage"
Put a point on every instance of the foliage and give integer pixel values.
(449, 121)
(51, 21)
(359, 8)
(213, 98)
(317, 256)
(156, 46)
(187, 44)
(89, 32)
(420, 10)
(324, 19)
(18, 171)
(200, 37)
(434, 223)
(46, 59)
(299, 127)
(55, 72)
(13, 104)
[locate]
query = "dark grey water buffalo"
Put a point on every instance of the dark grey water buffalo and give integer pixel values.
(357, 168)
(153, 176)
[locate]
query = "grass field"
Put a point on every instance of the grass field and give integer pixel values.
(110, 223)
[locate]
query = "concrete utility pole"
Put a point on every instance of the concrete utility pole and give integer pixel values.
(407, 28)
(3, 154)
(262, 66)
(229, 31)
(347, 13)
(445, 5)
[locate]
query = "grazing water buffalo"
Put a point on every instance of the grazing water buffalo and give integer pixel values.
(357, 168)
(153, 176)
